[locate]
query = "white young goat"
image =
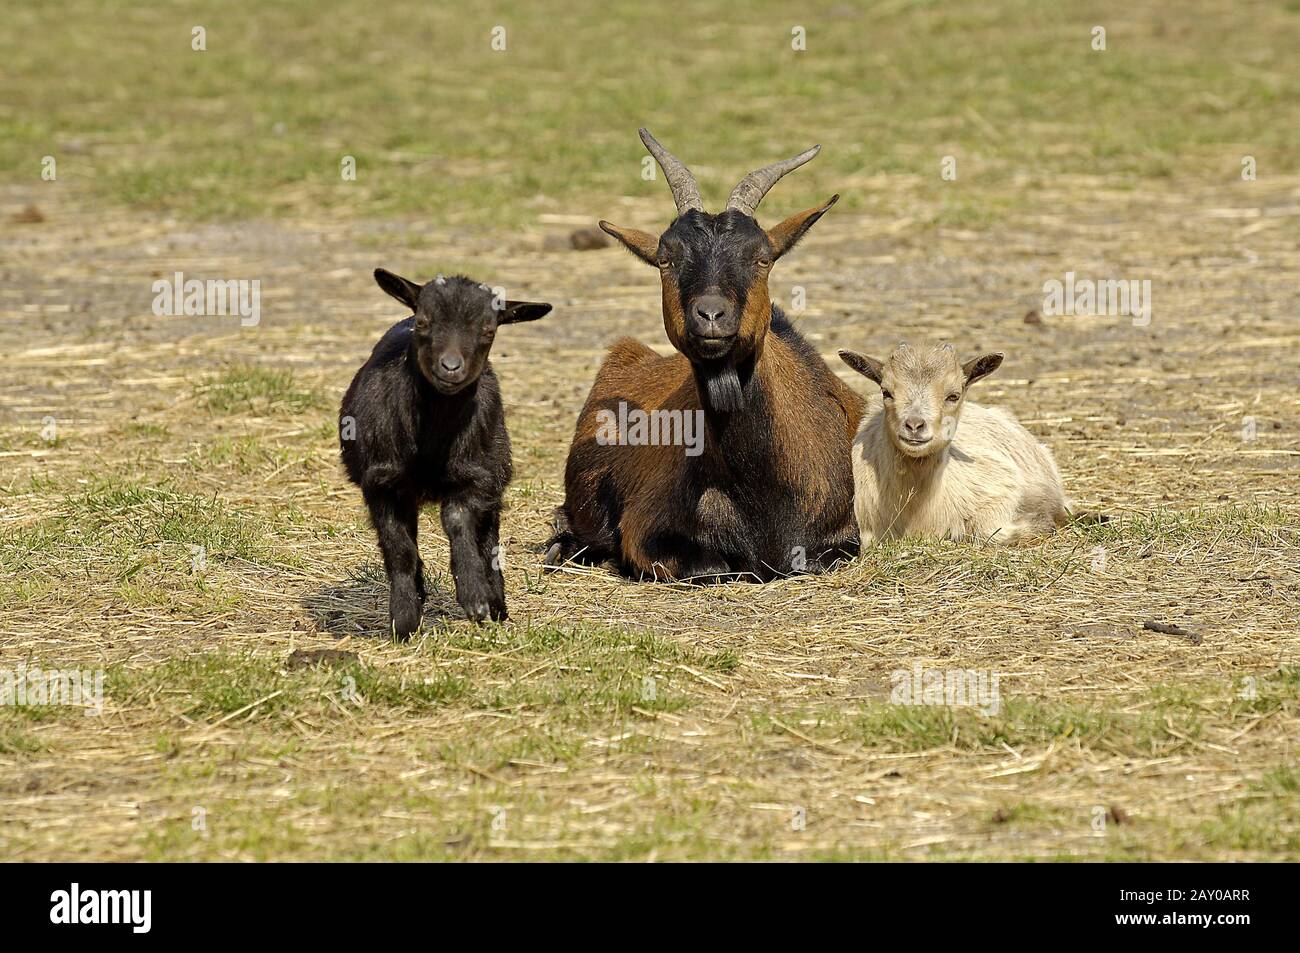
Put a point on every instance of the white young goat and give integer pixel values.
(916, 474)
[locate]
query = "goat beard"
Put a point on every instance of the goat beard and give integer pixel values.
(723, 389)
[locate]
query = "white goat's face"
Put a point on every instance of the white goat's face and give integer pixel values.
(923, 390)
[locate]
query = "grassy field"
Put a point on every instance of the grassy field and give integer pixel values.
(613, 720)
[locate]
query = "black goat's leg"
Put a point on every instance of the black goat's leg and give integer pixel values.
(495, 558)
(462, 519)
(396, 522)
(419, 571)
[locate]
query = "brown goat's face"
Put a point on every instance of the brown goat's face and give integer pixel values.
(456, 320)
(923, 391)
(714, 271)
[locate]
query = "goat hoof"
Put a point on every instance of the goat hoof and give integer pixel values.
(476, 611)
(404, 619)
(553, 556)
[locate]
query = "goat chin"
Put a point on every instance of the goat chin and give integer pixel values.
(724, 391)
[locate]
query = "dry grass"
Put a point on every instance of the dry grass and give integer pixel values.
(542, 737)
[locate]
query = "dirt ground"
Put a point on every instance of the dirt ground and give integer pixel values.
(619, 720)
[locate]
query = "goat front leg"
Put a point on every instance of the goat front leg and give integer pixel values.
(495, 558)
(396, 522)
(463, 519)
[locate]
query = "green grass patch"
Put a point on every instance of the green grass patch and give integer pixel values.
(261, 121)
(1174, 527)
(140, 430)
(574, 674)
(1161, 721)
(253, 389)
(1022, 724)
(1267, 819)
(124, 513)
(243, 455)
(16, 740)
(213, 685)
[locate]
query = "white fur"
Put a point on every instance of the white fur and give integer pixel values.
(993, 482)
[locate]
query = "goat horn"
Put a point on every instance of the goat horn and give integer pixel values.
(685, 192)
(746, 196)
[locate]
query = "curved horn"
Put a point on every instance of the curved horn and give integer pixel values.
(685, 192)
(746, 196)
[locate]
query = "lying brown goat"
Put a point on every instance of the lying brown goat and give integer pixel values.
(769, 489)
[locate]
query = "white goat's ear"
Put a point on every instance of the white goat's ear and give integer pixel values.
(407, 292)
(982, 366)
(642, 244)
(866, 366)
(516, 311)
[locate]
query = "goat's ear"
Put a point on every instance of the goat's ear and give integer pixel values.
(866, 366)
(516, 311)
(642, 244)
(407, 292)
(982, 366)
(784, 236)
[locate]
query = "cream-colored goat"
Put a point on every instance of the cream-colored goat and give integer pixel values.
(916, 473)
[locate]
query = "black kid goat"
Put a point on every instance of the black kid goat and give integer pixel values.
(423, 423)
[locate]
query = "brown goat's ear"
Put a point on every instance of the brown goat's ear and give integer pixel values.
(516, 311)
(866, 366)
(407, 292)
(982, 366)
(642, 244)
(784, 236)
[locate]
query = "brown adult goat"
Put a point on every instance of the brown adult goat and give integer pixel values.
(770, 492)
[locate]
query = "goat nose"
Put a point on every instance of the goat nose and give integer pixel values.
(711, 308)
(914, 424)
(451, 363)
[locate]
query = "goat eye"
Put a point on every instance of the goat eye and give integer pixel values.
(665, 262)
(765, 263)
(953, 398)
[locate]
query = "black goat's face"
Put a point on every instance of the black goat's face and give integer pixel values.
(714, 268)
(456, 320)
(714, 271)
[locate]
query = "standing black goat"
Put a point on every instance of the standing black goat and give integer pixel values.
(422, 423)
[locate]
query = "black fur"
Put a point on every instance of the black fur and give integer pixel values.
(422, 423)
(714, 258)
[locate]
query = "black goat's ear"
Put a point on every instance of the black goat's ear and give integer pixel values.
(642, 244)
(982, 366)
(866, 366)
(516, 311)
(407, 292)
(787, 234)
